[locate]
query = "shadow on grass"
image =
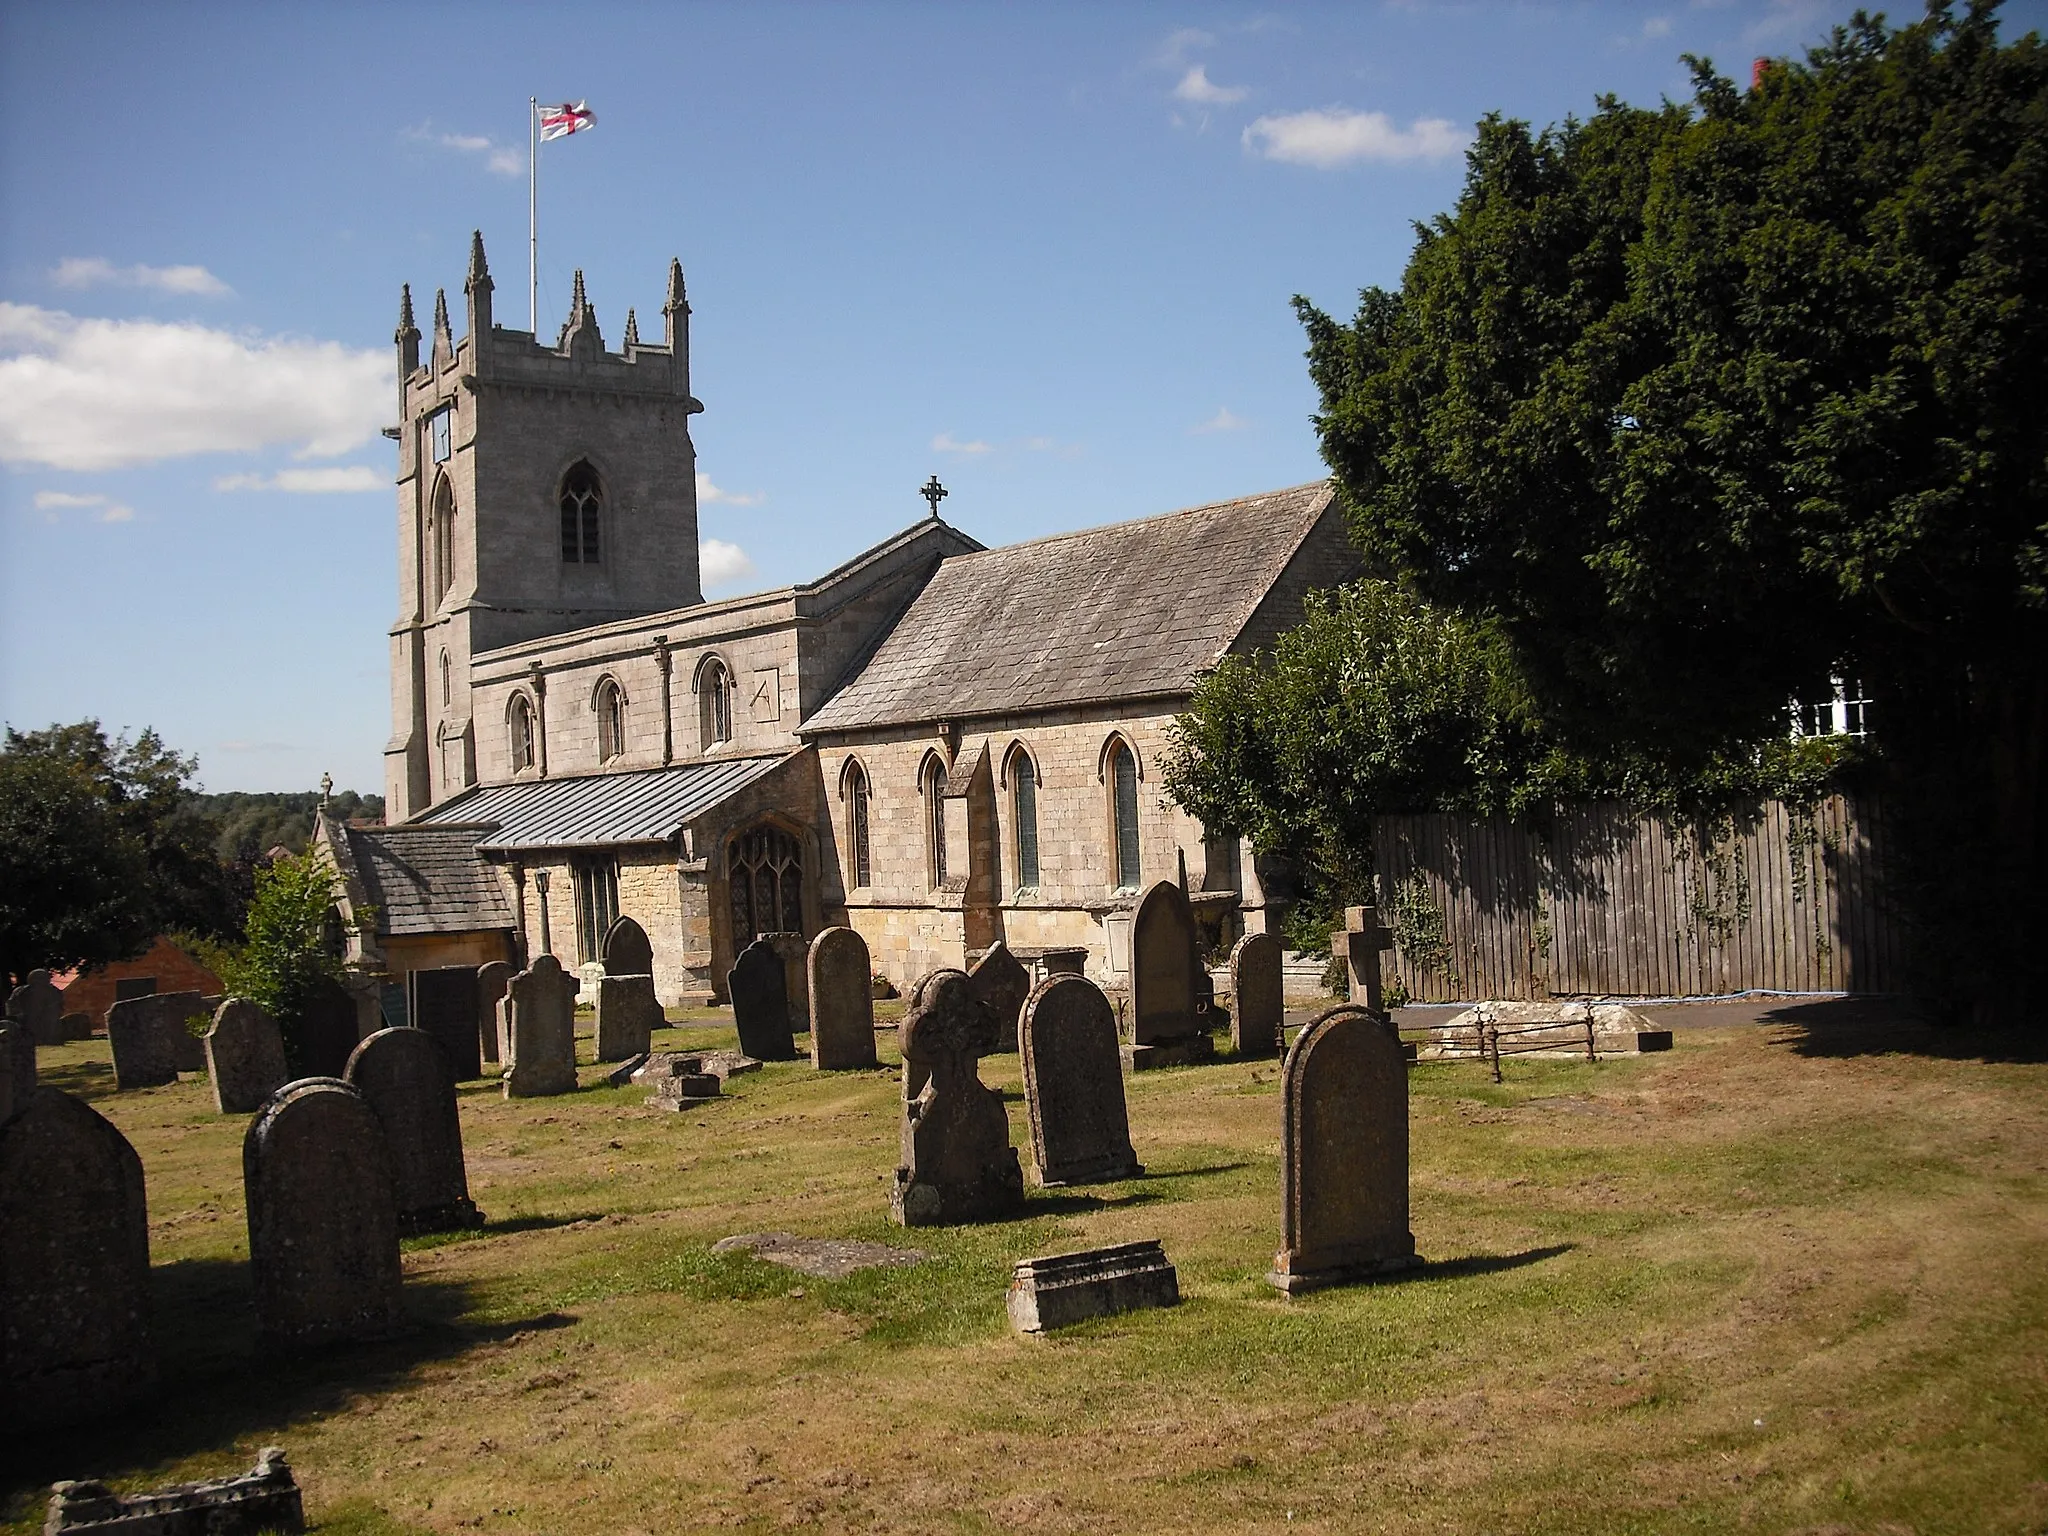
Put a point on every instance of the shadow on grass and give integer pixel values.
(501, 1228)
(85, 1080)
(1892, 1026)
(217, 1386)
(1191, 1173)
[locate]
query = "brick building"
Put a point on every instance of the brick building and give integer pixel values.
(939, 744)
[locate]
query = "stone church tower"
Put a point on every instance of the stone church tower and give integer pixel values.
(541, 489)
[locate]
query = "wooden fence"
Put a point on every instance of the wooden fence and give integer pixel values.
(1602, 903)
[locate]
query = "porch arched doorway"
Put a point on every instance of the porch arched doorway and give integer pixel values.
(764, 872)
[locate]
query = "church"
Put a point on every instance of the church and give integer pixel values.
(939, 744)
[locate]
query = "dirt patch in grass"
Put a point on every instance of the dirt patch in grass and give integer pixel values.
(1752, 1283)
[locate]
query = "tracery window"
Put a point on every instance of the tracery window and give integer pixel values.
(935, 821)
(1024, 816)
(522, 733)
(857, 824)
(611, 720)
(1123, 812)
(597, 904)
(582, 502)
(714, 700)
(764, 870)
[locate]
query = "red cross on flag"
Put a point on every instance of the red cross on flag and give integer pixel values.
(559, 122)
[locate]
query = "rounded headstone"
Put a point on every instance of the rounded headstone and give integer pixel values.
(842, 1001)
(627, 951)
(1074, 1084)
(758, 987)
(404, 1075)
(38, 1004)
(244, 1057)
(1258, 1002)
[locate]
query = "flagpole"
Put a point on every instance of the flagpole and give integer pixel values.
(533, 215)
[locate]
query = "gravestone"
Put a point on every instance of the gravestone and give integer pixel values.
(74, 1266)
(1002, 984)
(760, 1003)
(628, 1013)
(323, 1225)
(1074, 1085)
(491, 980)
(244, 1057)
(150, 1040)
(1257, 997)
(442, 1002)
(319, 1043)
(958, 1164)
(404, 1075)
(626, 949)
(1166, 1030)
(678, 1082)
(18, 1063)
(539, 1014)
(256, 1503)
(1360, 944)
(842, 992)
(1066, 1288)
(38, 1004)
(77, 1026)
(1343, 1153)
(796, 985)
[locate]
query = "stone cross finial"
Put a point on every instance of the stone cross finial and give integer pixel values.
(326, 789)
(1365, 938)
(934, 493)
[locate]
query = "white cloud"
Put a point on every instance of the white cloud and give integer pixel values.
(500, 159)
(86, 394)
(328, 480)
(721, 564)
(946, 443)
(1222, 421)
(105, 508)
(707, 492)
(1173, 53)
(92, 271)
(1657, 26)
(1196, 86)
(1334, 137)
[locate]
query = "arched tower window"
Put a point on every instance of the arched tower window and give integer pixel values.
(611, 720)
(445, 671)
(935, 821)
(1024, 816)
(441, 521)
(521, 724)
(582, 502)
(1123, 814)
(858, 861)
(714, 703)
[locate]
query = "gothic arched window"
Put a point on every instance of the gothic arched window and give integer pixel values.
(764, 870)
(857, 857)
(611, 720)
(1024, 816)
(445, 672)
(521, 724)
(935, 821)
(714, 703)
(441, 524)
(582, 502)
(1123, 814)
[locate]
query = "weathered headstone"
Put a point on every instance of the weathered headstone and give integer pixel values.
(255, 1503)
(539, 1014)
(842, 1001)
(1257, 999)
(1065, 1288)
(1165, 961)
(1074, 1085)
(1359, 946)
(77, 1026)
(958, 1164)
(796, 986)
(38, 1004)
(626, 949)
(760, 1003)
(1343, 1153)
(18, 1063)
(323, 1225)
(318, 1042)
(628, 1013)
(404, 1075)
(151, 1041)
(1002, 984)
(491, 980)
(442, 1002)
(244, 1057)
(74, 1266)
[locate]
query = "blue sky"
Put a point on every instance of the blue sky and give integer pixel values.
(1044, 251)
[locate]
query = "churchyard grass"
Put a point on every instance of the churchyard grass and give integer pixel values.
(1750, 1283)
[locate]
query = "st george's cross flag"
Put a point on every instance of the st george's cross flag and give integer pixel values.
(559, 122)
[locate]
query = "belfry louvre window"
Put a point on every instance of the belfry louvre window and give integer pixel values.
(1123, 777)
(582, 502)
(597, 905)
(765, 870)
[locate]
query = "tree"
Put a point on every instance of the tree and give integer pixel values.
(286, 958)
(1697, 409)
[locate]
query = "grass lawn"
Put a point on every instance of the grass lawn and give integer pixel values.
(1770, 1281)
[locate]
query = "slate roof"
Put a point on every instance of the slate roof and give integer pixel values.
(1133, 610)
(599, 810)
(428, 879)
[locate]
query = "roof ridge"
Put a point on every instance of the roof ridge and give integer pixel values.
(1140, 522)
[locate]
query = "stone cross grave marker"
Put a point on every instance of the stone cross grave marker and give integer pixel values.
(442, 1002)
(150, 1042)
(1002, 984)
(1165, 962)
(958, 1164)
(492, 978)
(38, 1004)
(1364, 939)
(244, 1057)
(842, 1001)
(627, 951)
(1074, 1085)
(1258, 1002)
(323, 1225)
(796, 982)
(74, 1268)
(539, 1015)
(403, 1074)
(757, 984)
(1343, 1153)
